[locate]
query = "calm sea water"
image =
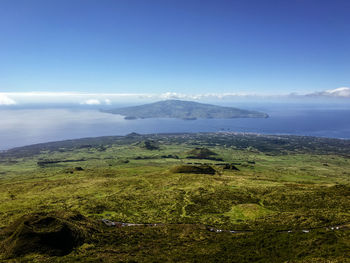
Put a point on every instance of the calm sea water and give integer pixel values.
(19, 127)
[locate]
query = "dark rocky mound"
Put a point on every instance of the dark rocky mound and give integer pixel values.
(150, 145)
(228, 166)
(55, 234)
(202, 153)
(170, 156)
(193, 169)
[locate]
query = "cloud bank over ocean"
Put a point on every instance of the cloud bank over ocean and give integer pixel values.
(6, 100)
(93, 99)
(342, 92)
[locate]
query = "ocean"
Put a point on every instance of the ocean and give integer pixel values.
(20, 127)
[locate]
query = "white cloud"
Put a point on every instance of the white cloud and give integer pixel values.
(11, 98)
(96, 102)
(6, 100)
(339, 92)
(91, 102)
(342, 92)
(72, 97)
(174, 95)
(112, 98)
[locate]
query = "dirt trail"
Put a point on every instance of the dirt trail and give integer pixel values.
(217, 230)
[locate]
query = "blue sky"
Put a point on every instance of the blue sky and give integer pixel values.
(182, 46)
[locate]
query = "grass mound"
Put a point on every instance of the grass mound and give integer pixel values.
(55, 234)
(150, 145)
(201, 153)
(228, 166)
(193, 169)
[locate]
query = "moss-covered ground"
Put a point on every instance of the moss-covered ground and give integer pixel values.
(283, 183)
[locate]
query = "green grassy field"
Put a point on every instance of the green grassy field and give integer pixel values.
(283, 183)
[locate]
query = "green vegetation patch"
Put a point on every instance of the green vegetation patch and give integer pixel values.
(243, 212)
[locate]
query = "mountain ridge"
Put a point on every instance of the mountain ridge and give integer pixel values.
(186, 110)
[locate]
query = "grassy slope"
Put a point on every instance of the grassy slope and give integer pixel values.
(275, 189)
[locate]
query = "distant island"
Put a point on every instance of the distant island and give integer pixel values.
(186, 110)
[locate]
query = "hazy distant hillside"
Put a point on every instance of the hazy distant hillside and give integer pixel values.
(184, 110)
